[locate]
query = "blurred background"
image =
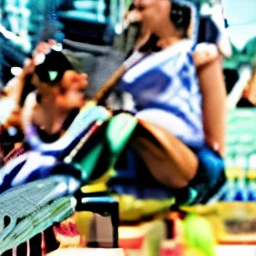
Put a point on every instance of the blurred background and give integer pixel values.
(77, 23)
(93, 33)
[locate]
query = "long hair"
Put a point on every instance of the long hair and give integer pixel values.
(181, 17)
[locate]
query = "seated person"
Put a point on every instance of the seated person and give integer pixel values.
(48, 81)
(180, 93)
(59, 91)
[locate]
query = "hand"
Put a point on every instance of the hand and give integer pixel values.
(215, 146)
(28, 69)
(133, 16)
(44, 47)
(205, 53)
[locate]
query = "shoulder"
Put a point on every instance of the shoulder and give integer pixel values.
(205, 53)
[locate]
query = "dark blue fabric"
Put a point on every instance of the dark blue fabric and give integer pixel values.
(148, 85)
(211, 166)
(135, 179)
(185, 77)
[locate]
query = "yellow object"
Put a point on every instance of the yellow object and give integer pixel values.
(93, 188)
(251, 174)
(83, 222)
(232, 222)
(233, 172)
(132, 209)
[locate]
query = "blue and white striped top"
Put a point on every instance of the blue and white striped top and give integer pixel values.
(166, 91)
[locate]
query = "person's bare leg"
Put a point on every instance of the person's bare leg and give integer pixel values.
(169, 160)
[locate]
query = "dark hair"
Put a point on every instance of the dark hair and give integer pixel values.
(181, 16)
(151, 45)
(53, 67)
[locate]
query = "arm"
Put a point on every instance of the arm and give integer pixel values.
(28, 111)
(214, 103)
(15, 86)
(12, 93)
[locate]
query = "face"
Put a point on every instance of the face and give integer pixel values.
(68, 94)
(155, 13)
(72, 90)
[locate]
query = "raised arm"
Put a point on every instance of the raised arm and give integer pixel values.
(214, 97)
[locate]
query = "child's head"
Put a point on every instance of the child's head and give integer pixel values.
(55, 75)
(50, 67)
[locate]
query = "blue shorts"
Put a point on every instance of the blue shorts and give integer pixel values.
(210, 176)
(211, 166)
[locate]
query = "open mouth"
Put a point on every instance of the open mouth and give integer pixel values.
(141, 8)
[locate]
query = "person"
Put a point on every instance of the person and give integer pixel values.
(54, 116)
(179, 92)
(47, 81)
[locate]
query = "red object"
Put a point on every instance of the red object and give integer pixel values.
(131, 243)
(177, 250)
